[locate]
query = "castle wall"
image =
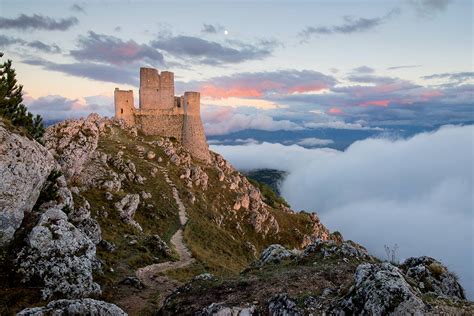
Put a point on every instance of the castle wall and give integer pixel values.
(166, 90)
(149, 88)
(124, 108)
(163, 123)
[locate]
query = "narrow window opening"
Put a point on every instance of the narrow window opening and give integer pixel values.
(121, 111)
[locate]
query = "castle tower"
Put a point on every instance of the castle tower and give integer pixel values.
(124, 108)
(149, 88)
(194, 138)
(166, 90)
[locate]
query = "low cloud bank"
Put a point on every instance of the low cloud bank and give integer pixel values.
(417, 193)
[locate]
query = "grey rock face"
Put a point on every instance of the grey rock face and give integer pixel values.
(24, 168)
(61, 256)
(220, 310)
(346, 249)
(380, 289)
(127, 208)
(74, 142)
(282, 305)
(78, 307)
(273, 254)
(432, 277)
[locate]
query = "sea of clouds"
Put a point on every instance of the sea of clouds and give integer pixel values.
(416, 193)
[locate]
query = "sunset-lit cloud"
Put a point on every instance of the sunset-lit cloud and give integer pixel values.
(375, 103)
(263, 84)
(335, 111)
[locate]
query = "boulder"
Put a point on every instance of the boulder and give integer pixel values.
(127, 208)
(282, 305)
(217, 309)
(432, 277)
(60, 256)
(73, 142)
(347, 249)
(380, 289)
(86, 306)
(274, 254)
(24, 168)
(150, 155)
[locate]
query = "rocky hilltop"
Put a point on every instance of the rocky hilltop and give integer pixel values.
(101, 219)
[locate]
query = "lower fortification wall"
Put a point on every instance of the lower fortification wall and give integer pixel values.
(168, 125)
(187, 129)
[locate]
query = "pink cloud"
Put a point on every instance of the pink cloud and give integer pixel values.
(383, 103)
(261, 84)
(335, 111)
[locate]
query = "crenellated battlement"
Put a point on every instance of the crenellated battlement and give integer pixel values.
(162, 113)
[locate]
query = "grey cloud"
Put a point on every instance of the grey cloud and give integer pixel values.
(403, 67)
(99, 72)
(458, 76)
(212, 29)
(55, 107)
(38, 45)
(53, 48)
(429, 8)
(78, 8)
(213, 53)
(364, 69)
(37, 22)
(112, 50)
(351, 25)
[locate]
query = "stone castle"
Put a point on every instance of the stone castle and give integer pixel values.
(162, 113)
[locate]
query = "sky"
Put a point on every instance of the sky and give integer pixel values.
(263, 65)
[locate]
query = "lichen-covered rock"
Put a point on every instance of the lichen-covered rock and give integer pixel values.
(60, 256)
(282, 305)
(24, 167)
(73, 142)
(273, 254)
(156, 244)
(79, 307)
(347, 249)
(431, 276)
(216, 309)
(127, 208)
(380, 289)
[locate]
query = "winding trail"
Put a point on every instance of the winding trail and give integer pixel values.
(146, 274)
(149, 275)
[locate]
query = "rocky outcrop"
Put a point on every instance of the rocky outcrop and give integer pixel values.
(24, 168)
(73, 142)
(430, 276)
(127, 207)
(274, 254)
(380, 289)
(78, 307)
(216, 309)
(282, 305)
(345, 249)
(60, 256)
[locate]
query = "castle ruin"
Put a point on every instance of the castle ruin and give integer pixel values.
(162, 113)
